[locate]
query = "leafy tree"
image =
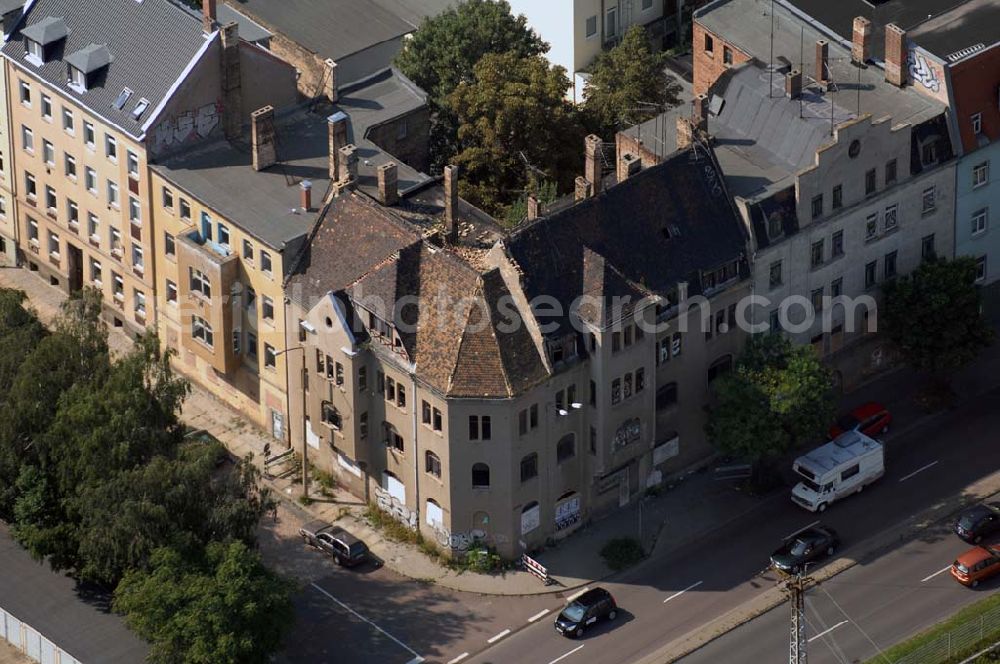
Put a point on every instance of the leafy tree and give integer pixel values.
(20, 332)
(933, 316)
(779, 396)
(628, 84)
(224, 607)
(445, 49)
(514, 121)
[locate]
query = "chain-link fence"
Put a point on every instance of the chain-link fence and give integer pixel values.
(958, 641)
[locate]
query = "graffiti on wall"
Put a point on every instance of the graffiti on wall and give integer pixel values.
(462, 542)
(396, 508)
(923, 72)
(180, 128)
(567, 512)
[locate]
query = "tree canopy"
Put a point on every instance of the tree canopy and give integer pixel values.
(779, 396)
(933, 315)
(628, 84)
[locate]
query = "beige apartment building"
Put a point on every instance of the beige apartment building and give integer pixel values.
(496, 386)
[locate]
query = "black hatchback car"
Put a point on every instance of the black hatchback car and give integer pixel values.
(804, 547)
(977, 522)
(585, 610)
(342, 546)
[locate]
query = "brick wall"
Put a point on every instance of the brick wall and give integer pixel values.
(407, 138)
(708, 53)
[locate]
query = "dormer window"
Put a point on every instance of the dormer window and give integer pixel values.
(85, 65)
(36, 55)
(39, 38)
(77, 79)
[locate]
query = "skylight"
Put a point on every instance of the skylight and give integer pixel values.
(122, 99)
(140, 108)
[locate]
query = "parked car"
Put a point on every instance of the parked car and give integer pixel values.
(584, 610)
(977, 522)
(976, 565)
(804, 547)
(872, 419)
(342, 546)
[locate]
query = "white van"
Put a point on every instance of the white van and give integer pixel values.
(845, 465)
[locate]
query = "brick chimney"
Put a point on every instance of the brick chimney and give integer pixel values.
(861, 41)
(685, 133)
(592, 167)
(305, 195)
(232, 87)
(534, 208)
(330, 78)
(262, 138)
(451, 202)
(895, 55)
(628, 165)
(793, 84)
(581, 189)
(388, 184)
(347, 166)
(699, 112)
(336, 126)
(208, 15)
(822, 74)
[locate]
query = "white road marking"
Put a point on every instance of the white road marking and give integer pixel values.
(940, 571)
(416, 657)
(827, 631)
(538, 615)
(814, 523)
(577, 594)
(679, 593)
(562, 657)
(459, 658)
(498, 636)
(919, 470)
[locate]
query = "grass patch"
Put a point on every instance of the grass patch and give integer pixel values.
(622, 552)
(326, 481)
(392, 528)
(939, 631)
(481, 559)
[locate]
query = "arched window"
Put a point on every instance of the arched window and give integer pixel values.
(529, 467)
(432, 464)
(480, 476)
(721, 366)
(435, 515)
(566, 448)
(530, 517)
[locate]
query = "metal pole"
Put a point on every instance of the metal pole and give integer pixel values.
(770, 62)
(305, 432)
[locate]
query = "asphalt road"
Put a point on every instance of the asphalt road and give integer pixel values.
(663, 599)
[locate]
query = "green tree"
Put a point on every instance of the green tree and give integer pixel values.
(779, 396)
(628, 84)
(445, 50)
(514, 124)
(223, 607)
(933, 315)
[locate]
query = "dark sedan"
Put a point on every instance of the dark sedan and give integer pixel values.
(804, 547)
(977, 522)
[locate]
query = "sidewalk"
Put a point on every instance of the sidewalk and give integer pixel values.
(686, 509)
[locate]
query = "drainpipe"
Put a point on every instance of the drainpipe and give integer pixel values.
(416, 450)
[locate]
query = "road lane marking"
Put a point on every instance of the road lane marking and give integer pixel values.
(562, 657)
(827, 631)
(416, 656)
(940, 571)
(459, 658)
(681, 592)
(814, 523)
(919, 470)
(498, 636)
(577, 594)
(538, 615)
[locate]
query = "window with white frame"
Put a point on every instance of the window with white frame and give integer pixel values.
(32, 231)
(70, 166)
(185, 209)
(48, 153)
(89, 135)
(77, 79)
(30, 188)
(46, 108)
(980, 269)
(27, 139)
(168, 199)
(265, 261)
(24, 91)
(53, 244)
(139, 299)
(3, 207)
(118, 286)
(134, 210)
(977, 123)
(110, 147)
(132, 159)
(270, 357)
(223, 235)
(113, 193)
(590, 26)
(890, 220)
(115, 237)
(69, 122)
(267, 308)
(200, 283)
(90, 179)
(169, 245)
(137, 257)
(95, 271)
(93, 227)
(871, 227)
(202, 331)
(980, 174)
(928, 200)
(73, 213)
(35, 52)
(247, 250)
(171, 292)
(50, 199)
(980, 219)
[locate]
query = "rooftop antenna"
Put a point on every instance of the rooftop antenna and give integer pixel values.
(802, 60)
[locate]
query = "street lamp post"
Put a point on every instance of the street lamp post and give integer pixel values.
(305, 434)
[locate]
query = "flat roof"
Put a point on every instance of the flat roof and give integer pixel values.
(967, 29)
(250, 30)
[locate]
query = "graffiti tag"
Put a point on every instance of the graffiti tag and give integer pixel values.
(396, 508)
(922, 72)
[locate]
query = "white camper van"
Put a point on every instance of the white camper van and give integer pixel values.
(839, 468)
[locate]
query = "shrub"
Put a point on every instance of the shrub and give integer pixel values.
(622, 552)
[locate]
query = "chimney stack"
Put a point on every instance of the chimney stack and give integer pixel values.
(347, 158)
(628, 165)
(793, 84)
(330, 86)
(306, 194)
(451, 202)
(581, 189)
(232, 87)
(533, 207)
(336, 126)
(262, 138)
(685, 133)
(388, 184)
(592, 167)
(822, 74)
(895, 55)
(861, 42)
(208, 15)
(699, 112)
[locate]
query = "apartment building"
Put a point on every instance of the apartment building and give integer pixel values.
(89, 106)
(844, 175)
(8, 203)
(484, 385)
